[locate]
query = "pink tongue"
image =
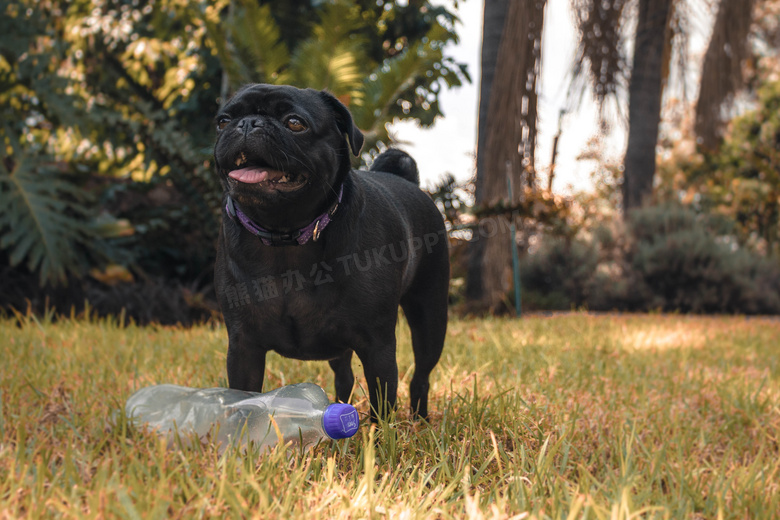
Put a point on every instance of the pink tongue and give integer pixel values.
(249, 175)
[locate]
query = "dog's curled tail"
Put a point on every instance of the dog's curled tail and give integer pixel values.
(398, 163)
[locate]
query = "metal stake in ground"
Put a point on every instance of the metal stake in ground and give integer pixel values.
(513, 245)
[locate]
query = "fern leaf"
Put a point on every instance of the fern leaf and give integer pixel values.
(384, 86)
(333, 58)
(258, 41)
(44, 221)
(231, 64)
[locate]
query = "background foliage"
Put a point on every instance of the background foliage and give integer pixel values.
(708, 240)
(108, 194)
(107, 111)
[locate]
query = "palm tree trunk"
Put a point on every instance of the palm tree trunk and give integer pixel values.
(511, 60)
(645, 93)
(721, 74)
(492, 29)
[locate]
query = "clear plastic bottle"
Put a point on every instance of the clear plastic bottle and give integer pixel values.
(300, 412)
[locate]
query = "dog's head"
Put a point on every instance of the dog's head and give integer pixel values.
(282, 152)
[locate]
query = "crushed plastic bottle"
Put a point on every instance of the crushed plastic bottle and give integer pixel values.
(299, 412)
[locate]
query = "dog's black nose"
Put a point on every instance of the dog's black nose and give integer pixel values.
(249, 124)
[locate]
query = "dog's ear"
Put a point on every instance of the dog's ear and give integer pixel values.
(344, 122)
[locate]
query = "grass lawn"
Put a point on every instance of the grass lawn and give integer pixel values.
(572, 416)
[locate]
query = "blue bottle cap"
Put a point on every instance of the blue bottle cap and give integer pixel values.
(340, 421)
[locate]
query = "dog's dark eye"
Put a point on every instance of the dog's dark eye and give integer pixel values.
(222, 122)
(295, 124)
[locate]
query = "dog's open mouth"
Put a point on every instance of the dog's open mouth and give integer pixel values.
(264, 176)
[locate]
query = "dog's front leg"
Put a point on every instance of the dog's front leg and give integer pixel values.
(245, 366)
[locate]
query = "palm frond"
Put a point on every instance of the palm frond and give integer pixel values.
(231, 65)
(340, 21)
(247, 42)
(383, 87)
(722, 74)
(675, 58)
(257, 40)
(333, 58)
(44, 221)
(600, 49)
(338, 70)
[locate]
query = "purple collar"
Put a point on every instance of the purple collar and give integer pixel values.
(295, 238)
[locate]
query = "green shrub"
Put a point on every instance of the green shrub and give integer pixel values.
(678, 262)
(559, 275)
(667, 258)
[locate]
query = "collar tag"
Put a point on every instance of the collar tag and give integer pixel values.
(315, 235)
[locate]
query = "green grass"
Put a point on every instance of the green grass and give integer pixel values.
(574, 416)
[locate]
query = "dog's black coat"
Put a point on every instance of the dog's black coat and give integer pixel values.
(328, 298)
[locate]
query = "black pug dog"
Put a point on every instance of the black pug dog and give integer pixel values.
(314, 257)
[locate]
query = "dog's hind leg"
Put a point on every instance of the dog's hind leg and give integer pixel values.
(425, 308)
(345, 379)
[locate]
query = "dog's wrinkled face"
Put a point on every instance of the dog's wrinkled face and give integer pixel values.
(279, 144)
